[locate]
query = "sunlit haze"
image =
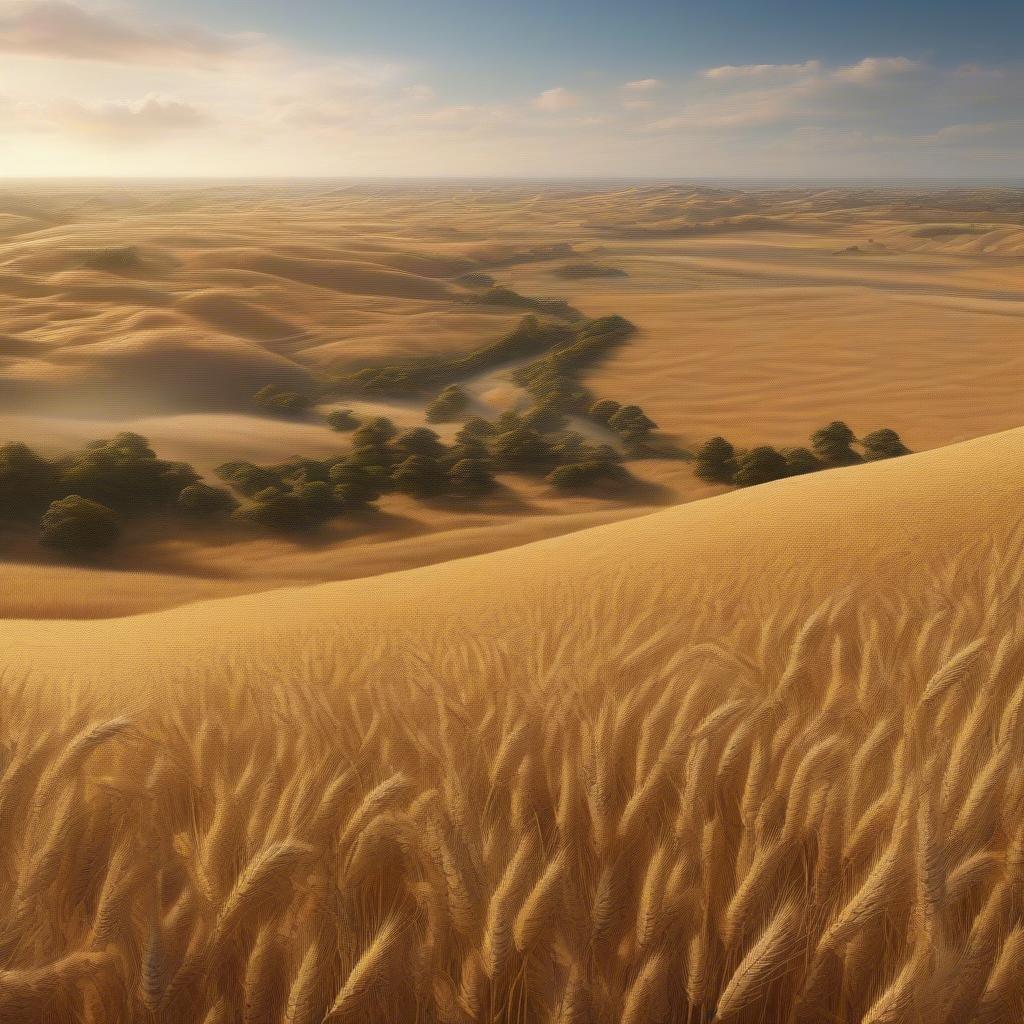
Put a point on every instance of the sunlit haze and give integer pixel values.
(397, 88)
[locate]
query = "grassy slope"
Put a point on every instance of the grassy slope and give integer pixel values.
(748, 760)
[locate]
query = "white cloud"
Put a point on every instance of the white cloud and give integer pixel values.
(875, 69)
(60, 28)
(728, 72)
(136, 121)
(553, 101)
(642, 85)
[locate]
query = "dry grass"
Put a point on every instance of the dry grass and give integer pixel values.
(744, 817)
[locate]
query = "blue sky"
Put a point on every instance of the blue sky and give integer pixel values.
(571, 88)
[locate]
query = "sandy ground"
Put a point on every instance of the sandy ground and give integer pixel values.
(762, 315)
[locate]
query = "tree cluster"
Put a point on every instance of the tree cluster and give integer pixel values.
(80, 498)
(450, 405)
(281, 401)
(717, 461)
(426, 375)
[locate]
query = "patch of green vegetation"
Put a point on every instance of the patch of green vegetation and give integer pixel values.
(342, 420)
(448, 406)
(717, 461)
(501, 296)
(417, 377)
(281, 401)
(590, 476)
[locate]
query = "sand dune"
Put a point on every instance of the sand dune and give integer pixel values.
(762, 313)
(877, 530)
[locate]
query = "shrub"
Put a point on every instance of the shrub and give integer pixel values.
(317, 498)
(27, 482)
(448, 406)
(800, 461)
(883, 444)
(471, 477)
(419, 476)
(832, 445)
(374, 433)
(759, 466)
(418, 441)
(521, 448)
(604, 410)
(585, 476)
(247, 478)
(124, 473)
(342, 420)
(281, 402)
(545, 418)
(632, 423)
(716, 461)
(361, 484)
(78, 526)
(466, 448)
(277, 510)
(475, 427)
(203, 500)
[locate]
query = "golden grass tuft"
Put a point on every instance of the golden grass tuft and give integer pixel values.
(634, 824)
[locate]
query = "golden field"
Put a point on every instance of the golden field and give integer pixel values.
(741, 757)
(630, 784)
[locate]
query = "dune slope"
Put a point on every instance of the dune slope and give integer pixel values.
(752, 759)
(878, 528)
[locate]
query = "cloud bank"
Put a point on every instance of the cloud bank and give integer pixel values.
(90, 90)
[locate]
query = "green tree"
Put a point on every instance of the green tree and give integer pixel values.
(604, 410)
(476, 427)
(27, 482)
(471, 477)
(342, 420)
(832, 444)
(247, 478)
(586, 476)
(276, 510)
(715, 461)
(545, 418)
(883, 444)
(374, 433)
(203, 500)
(123, 473)
(280, 401)
(418, 441)
(759, 466)
(521, 449)
(78, 526)
(465, 447)
(317, 498)
(632, 423)
(448, 406)
(359, 484)
(419, 476)
(800, 461)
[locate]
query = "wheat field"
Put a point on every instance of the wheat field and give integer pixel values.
(740, 813)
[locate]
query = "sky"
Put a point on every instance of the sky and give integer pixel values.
(557, 89)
